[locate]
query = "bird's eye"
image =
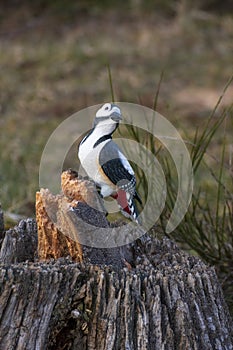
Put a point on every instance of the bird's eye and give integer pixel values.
(107, 107)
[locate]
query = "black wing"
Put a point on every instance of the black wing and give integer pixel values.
(116, 167)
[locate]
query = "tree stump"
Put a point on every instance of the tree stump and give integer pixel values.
(20, 243)
(63, 220)
(146, 295)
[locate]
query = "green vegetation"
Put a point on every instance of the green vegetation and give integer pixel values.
(54, 60)
(207, 228)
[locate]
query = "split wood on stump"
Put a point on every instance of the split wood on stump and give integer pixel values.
(146, 295)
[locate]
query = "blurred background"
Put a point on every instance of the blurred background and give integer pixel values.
(54, 60)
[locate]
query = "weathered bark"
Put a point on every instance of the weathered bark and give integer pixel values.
(56, 234)
(19, 243)
(168, 301)
(145, 295)
(63, 220)
(52, 243)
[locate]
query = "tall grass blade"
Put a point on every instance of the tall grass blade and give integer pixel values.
(110, 83)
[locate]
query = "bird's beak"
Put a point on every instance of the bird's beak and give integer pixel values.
(116, 116)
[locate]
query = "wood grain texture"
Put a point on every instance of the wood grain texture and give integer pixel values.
(52, 242)
(147, 294)
(71, 222)
(168, 301)
(19, 243)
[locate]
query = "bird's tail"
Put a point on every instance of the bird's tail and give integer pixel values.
(133, 210)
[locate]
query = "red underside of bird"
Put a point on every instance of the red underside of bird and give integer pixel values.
(120, 196)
